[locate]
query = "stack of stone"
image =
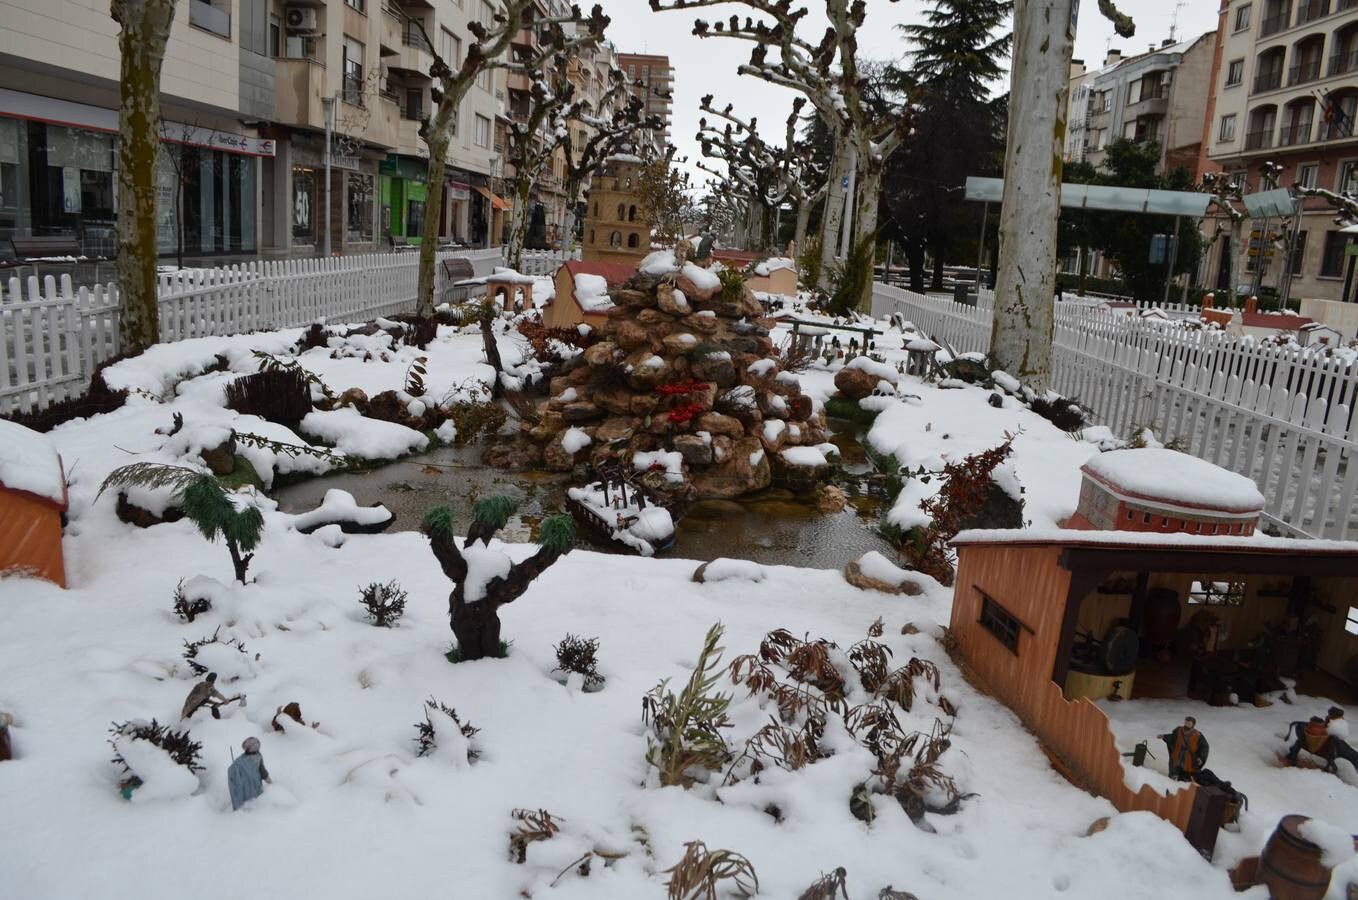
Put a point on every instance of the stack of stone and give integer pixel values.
(683, 365)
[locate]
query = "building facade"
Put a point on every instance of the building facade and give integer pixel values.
(246, 88)
(1286, 92)
(652, 79)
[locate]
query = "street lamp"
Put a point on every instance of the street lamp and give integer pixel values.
(329, 104)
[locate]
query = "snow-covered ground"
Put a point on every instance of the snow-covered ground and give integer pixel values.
(352, 812)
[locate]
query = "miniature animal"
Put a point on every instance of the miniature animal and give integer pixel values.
(1320, 743)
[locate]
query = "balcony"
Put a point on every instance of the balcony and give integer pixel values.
(1275, 23)
(1156, 104)
(416, 57)
(1269, 80)
(1341, 63)
(1259, 140)
(204, 15)
(1310, 10)
(393, 27)
(1303, 72)
(299, 85)
(1295, 134)
(408, 140)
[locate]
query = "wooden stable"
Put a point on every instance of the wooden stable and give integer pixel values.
(1021, 597)
(30, 523)
(564, 309)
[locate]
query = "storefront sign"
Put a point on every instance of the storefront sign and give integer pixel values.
(458, 190)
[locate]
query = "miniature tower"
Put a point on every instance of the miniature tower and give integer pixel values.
(616, 228)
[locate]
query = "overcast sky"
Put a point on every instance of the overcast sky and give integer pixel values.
(708, 65)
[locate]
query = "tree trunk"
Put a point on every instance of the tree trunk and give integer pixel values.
(936, 281)
(1024, 294)
(179, 220)
(438, 155)
(518, 222)
(1084, 270)
(833, 216)
(869, 189)
(241, 564)
(475, 625)
(799, 232)
(914, 255)
(145, 30)
(491, 348)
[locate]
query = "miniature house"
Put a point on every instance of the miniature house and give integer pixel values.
(574, 303)
(32, 501)
(774, 275)
(617, 229)
(1049, 621)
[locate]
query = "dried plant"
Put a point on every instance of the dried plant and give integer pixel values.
(827, 887)
(698, 874)
(191, 649)
(534, 825)
(781, 746)
(900, 684)
(965, 485)
(686, 727)
(270, 363)
(872, 661)
(414, 381)
(181, 748)
(579, 655)
(187, 609)
(522, 406)
(385, 603)
(794, 356)
(427, 737)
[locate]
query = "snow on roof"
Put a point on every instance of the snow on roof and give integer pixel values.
(773, 264)
(29, 463)
(1172, 477)
(614, 273)
(591, 293)
(1256, 543)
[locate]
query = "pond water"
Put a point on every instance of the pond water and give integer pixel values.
(772, 527)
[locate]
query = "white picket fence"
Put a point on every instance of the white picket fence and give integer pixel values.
(1280, 416)
(52, 337)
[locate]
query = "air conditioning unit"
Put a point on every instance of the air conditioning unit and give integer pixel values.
(300, 18)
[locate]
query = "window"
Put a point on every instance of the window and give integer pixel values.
(632, 239)
(358, 204)
(481, 132)
(1351, 626)
(414, 218)
(354, 4)
(1298, 255)
(414, 105)
(1216, 593)
(1307, 174)
(622, 212)
(1240, 179)
(1332, 257)
(1348, 177)
(1145, 518)
(615, 239)
(487, 14)
(631, 213)
(591, 237)
(1235, 72)
(211, 15)
(275, 36)
(353, 72)
(1242, 18)
(997, 620)
(450, 48)
(1227, 132)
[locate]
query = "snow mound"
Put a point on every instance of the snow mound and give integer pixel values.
(773, 264)
(660, 262)
(702, 279)
(355, 435)
(1168, 475)
(671, 463)
(340, 507)
(29, 462)
(484, 565)
(872, 367)
(878, 567)
(723, 569)
(811, 457)
(575, 440)
(591, 292)
(162, 777)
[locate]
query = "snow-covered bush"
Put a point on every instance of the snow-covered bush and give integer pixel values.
(189, 608)
(385, 603)
(206, 653)
(275, 394)
(579, 655)
(686, 740)
(444, 733)
(157, 762)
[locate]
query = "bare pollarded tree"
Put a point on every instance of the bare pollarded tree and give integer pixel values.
(827, 73)
(489, 49)
(616, 124)
(752, 168)
(144, 30)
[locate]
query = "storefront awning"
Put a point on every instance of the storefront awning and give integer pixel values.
(496, 201)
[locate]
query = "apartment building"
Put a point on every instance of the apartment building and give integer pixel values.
(652, 80)
(1157, 96)
(247, 87)
(1078, 107)
(1286, 92)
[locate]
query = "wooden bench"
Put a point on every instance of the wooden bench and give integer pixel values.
(456, 270)
(45, 246)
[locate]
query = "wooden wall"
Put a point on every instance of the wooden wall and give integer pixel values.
(1337, 645)
(1029, 583)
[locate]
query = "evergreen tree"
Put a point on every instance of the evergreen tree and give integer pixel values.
(958, 126)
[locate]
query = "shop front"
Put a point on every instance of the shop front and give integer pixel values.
(58, 177)
(404, 198)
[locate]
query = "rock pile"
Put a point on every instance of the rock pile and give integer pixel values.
(684, 385)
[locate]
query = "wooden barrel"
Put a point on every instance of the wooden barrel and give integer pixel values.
(1290, 864)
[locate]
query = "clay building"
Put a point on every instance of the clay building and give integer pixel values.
(616, 227)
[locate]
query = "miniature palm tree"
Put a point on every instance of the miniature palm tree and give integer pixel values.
(205, 503)
(485, 579)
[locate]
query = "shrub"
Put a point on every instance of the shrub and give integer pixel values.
(426, 739)
(686, 727)
(278, 395)
(808, 265)
(732, 284)
(191, 649)
(187, 609)
(385, 603)
(699, 873)
(1065, 413)
(965, 485)
(578, 655)
(181, 748)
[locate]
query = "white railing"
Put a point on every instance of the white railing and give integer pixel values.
(1281, 416)
(52, 337)
(544, 262)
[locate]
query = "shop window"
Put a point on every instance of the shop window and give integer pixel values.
(303, 205)
(632, 240)
(358, 204)
(1216, 593)
(414, 218)
(999, 622)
